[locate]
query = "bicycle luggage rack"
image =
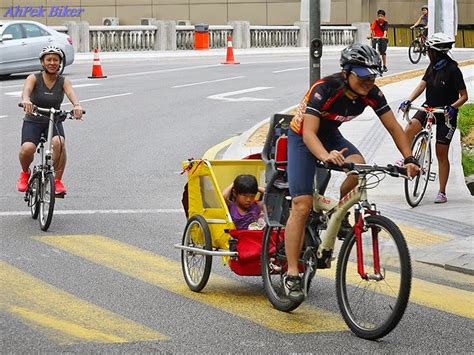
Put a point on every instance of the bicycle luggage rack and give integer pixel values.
(214, 252)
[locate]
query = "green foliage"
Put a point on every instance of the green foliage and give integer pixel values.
(468, 164)
(466, 119)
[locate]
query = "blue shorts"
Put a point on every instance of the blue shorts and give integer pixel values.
(302, 163)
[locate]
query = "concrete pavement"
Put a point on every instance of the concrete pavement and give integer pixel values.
(438, 234)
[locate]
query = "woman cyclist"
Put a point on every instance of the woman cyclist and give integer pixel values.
(45, 89)
(445, 87)
(327, 104)
(422, 20)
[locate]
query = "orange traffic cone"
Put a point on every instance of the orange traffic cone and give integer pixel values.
(96, 67)
(230, 52)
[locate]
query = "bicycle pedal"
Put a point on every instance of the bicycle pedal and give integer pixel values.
(432, 176)
(61, 195)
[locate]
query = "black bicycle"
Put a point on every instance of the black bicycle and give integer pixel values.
(40, 194)
(417, 47)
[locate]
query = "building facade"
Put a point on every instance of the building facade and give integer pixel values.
(214, 12)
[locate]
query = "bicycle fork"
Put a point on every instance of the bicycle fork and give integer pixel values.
(358, 229)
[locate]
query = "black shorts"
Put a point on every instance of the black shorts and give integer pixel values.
(444, 135)
(382, 42)
(32, 131)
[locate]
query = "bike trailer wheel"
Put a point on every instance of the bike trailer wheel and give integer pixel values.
(196, 267)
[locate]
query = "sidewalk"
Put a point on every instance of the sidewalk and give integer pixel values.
(440, 235)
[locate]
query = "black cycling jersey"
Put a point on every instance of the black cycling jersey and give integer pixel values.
(443, 85)
(333, 102)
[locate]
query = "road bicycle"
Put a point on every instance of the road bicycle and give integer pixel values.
(373, 273)
(421, 147)
(40, 194)
(417, 47)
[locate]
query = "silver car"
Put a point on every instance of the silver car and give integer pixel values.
(22, 41)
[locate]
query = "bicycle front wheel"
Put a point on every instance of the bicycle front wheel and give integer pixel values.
(415, 189)
(274, 266)
(46, 200)
(372, 306)
(414, 51)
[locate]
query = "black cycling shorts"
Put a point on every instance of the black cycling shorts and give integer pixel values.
(32, 131)
(444, 135)
(382, 45)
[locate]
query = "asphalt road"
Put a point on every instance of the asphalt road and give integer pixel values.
(106, 278)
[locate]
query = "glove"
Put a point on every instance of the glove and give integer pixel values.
(450, 111)
(411, 160)
(405, 105)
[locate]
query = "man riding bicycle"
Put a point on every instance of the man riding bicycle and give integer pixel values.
(315, 135)
(422, 21)
(45, 89)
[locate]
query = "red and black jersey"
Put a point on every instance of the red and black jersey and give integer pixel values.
(333, 102)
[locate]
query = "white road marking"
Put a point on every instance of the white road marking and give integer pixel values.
(100, 98)
(18, 93)
(77, 212)
(292, 69)
(3, 116)
(207, 82)
(225, 96)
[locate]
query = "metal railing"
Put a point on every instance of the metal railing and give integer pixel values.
(338, 35)
(273, 36)
(122, 38)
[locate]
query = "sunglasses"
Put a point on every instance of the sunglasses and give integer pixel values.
(369, 77)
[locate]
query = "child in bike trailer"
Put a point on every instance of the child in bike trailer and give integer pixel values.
(422, 20)
(379, 29)
(45, 89)
(240, 196)
(315, 135)
(445, 87)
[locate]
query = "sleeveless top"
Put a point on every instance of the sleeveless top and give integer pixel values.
(44, 97)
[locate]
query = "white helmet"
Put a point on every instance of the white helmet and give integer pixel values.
(51, 50)
(440, 41)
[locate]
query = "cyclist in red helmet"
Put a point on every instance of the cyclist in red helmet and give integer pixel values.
(315, 135)
(45, 89)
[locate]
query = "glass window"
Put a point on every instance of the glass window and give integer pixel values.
(14, 30)
(34, 31)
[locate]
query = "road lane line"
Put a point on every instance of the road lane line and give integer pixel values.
(78, 212)
(3, 116)
(221, 293)
(207, 82)
(62, 317)
(100, 98)
(292, 69)
(225, 96)
(418, 237)
(424, 293)
(18, 93)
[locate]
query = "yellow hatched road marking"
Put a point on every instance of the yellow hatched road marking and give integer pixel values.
(425, 293)
(63, 317)
(221, 293)
(418, 237)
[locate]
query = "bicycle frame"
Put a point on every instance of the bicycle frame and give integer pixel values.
(336, 211)
(47, 154)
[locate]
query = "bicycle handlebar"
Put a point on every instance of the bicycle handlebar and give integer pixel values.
(426, 109)
(392, 170)
(47, 111)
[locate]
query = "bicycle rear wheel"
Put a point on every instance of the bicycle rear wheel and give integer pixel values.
(196, 267)
(46, 201)
(373, 307)
(274, 266)
(414, 51)
(33, 192)
(415, 189)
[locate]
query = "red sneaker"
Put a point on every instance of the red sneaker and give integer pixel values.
(22, 183)
(60, 188)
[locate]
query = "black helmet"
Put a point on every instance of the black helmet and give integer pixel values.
(361, 55)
